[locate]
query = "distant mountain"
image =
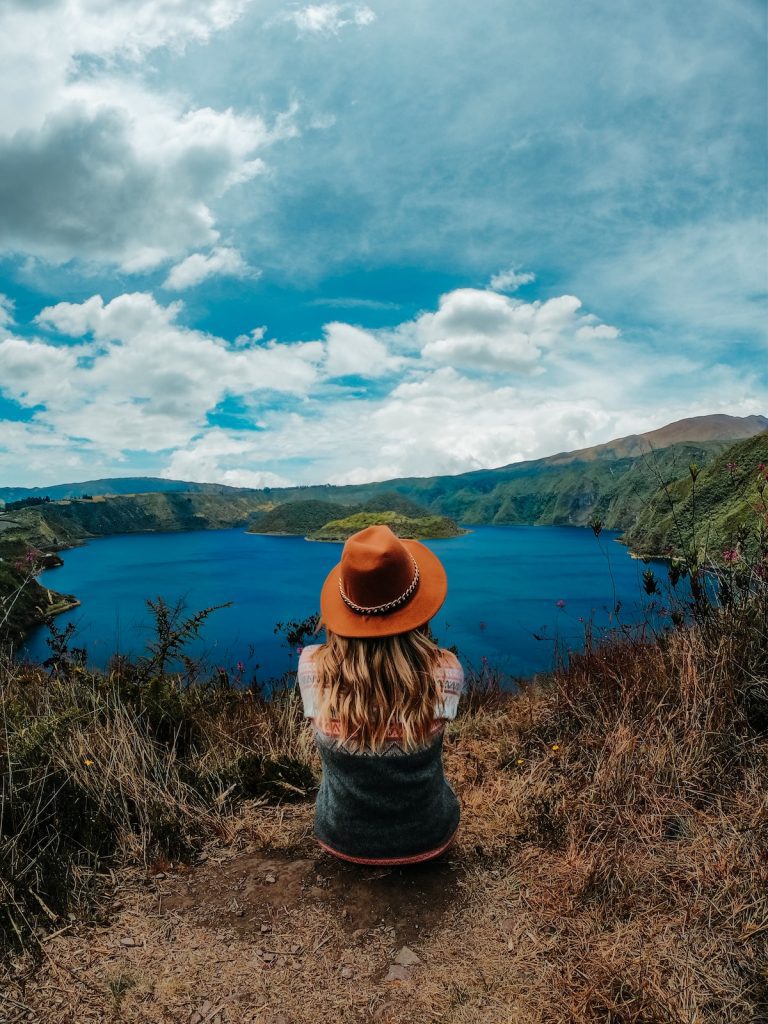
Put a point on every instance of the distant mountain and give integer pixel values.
(614, 480)
(718, 427)
(117, 485)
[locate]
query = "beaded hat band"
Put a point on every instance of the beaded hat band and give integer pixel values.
(381, 609)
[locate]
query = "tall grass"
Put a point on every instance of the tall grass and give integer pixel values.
(101, 768)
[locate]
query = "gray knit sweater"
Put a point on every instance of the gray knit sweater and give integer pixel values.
(388, 807)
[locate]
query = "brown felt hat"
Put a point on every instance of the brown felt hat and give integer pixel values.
(383, 585)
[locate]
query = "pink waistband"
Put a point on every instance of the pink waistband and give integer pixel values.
(388, 861)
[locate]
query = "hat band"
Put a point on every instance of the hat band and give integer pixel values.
(381, 609)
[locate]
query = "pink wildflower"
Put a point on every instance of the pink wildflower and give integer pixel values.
(730, 555)
(560, 603)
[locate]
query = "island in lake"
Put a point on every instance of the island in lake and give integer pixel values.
(332, 521)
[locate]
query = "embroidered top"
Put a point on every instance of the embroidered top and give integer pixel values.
(392, 806)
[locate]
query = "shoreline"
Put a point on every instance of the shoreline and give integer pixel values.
(69, 602)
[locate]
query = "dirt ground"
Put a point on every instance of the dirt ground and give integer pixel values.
(247, 938)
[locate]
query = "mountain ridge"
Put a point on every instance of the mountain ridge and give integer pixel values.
(717, 427)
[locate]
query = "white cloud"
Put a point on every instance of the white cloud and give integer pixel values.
(219, 262)
(217, 457)
(484, 330)
(143, 381)
(95, 164)
(329, 19)
(136, 380)
(352, 351)
(510, 280)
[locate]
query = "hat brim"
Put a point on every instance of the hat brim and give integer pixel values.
(426, 602)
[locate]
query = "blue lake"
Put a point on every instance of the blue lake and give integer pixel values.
(504, 587)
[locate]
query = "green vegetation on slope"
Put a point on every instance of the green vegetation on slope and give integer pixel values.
(547, 494)
(65, 522)
(24, 603)
(298, 517)
(721, 506)
(420, 528)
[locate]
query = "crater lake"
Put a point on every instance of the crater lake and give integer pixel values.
(514, 593)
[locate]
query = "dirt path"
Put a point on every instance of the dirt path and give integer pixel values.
(292, 937)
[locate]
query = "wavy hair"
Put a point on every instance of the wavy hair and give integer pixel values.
(366, 687)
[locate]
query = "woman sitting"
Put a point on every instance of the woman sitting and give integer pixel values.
(379, 691)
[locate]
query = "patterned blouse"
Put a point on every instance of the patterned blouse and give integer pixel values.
(450, 676)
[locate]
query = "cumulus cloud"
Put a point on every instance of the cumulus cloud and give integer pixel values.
(137, 379)
(329, 19)
(94, 164)
(355, 352)
(133, 379)
(217, 457)
(510, 280)
(38, 454)
(484, 330)
(219, 262)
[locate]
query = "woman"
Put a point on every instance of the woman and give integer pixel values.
(378, 692)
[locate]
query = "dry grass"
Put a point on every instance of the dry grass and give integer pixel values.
(612, 865)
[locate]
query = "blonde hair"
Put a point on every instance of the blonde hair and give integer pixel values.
(366, 687)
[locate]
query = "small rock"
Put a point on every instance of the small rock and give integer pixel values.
(397, 973)
(295, 949)
(203, 856)
(267, 957)
(347, 972)
(127, 941)
(358, 934)
(160, 876)
(270, 879)
(407, 958)
(266, 928)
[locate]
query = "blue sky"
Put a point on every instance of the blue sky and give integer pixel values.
(267, 243)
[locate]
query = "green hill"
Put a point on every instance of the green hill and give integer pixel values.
(723, 508)
(421, 528)
(298, 517)
(307, 517)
